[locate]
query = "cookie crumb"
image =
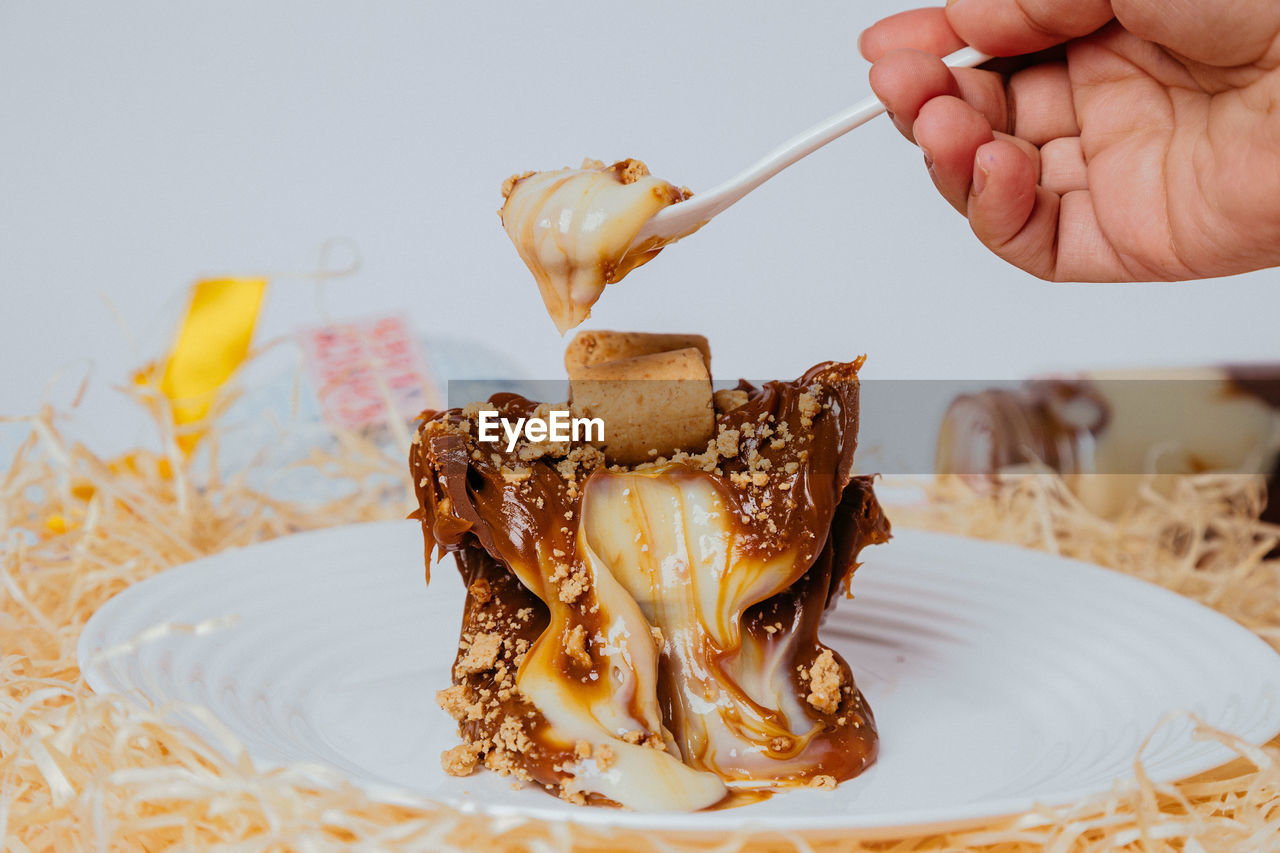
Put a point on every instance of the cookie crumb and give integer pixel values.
(481, 591)
(461, 760)
(726, 400)
(481, 655)
(809, 406)
(510, 183)
(575, 645)
(824, 683)
(570, 792)
(454, 702)
(516, 475)
(512, 736)
(572, 588)
(727, 442)
(631, 170)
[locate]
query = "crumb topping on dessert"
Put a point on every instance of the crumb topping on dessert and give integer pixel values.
(727, 400)
(825, 680)
(575, 646)
(481, 654)
(461, 760)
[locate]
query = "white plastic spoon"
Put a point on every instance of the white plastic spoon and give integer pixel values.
(681, 220)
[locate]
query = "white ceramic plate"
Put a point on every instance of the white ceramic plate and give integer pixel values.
(1000, 677)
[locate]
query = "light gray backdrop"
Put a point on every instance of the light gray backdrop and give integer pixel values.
(143, 144)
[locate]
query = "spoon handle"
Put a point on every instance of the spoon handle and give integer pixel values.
(830, 128)
(682, 219)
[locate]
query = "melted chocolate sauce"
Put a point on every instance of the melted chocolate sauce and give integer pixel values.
(513, 523)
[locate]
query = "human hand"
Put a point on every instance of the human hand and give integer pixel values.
(1140, 141)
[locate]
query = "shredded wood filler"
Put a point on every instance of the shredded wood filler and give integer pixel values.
(84, 772)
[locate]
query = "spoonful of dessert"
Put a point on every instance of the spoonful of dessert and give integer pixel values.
(580, 229)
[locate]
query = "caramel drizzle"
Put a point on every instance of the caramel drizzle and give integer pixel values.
(711, 651)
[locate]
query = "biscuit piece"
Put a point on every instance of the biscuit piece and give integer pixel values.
(590, 348)
(652, 405)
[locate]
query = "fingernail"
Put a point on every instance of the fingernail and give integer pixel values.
(980, 175)
(903, 127)
(928, 158)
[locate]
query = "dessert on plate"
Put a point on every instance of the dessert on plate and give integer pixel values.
(641, 619)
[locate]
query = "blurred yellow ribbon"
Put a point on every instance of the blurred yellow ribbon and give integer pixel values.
(213, 341)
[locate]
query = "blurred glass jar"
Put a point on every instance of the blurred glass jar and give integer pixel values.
(1106, 433)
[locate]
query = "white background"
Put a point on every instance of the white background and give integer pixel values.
(143, 145)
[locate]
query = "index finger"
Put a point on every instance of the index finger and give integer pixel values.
(919, 29)
(1013, 27)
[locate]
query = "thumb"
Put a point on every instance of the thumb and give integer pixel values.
(1013, 27)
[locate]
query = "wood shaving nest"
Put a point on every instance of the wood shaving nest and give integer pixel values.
(80, 771)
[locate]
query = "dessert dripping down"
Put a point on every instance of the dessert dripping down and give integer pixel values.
(645, 634)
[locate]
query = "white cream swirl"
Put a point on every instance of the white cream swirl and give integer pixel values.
(573, 228)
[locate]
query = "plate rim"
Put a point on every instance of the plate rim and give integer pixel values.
(876, 825)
